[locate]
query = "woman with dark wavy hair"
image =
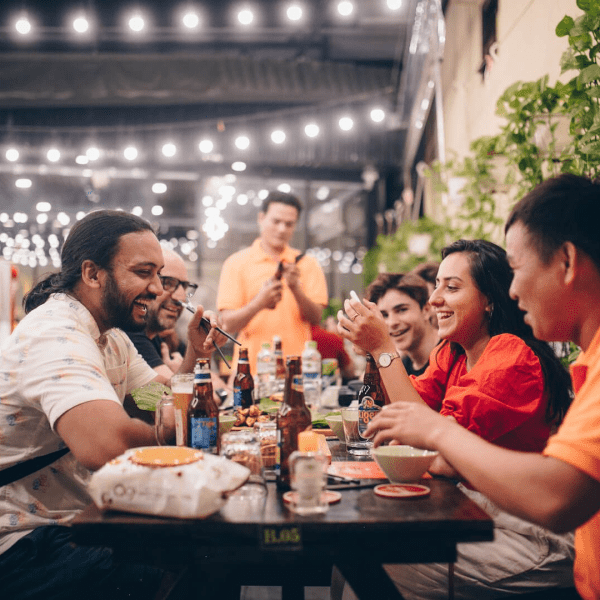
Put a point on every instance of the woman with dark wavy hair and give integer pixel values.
(492, 377)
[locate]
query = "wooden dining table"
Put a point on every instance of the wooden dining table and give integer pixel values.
(261, 542)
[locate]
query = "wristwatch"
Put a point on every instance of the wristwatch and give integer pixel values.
(385, 359)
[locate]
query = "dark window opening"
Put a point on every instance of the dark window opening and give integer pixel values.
(489, 11)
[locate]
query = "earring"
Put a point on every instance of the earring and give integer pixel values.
(490, 311)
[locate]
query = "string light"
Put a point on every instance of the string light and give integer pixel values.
(23, 26)
(278, 136)
(130, 153)
(12, 154)
(81, 24)
(245, 16)
(53, 155)
(206, 146)
(242, 142)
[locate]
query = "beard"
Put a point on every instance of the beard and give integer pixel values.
(118, 308)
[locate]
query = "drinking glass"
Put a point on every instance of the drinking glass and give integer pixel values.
(243, 447)
(182, 386)
(355, 444)
(164, 421)
(266, 432)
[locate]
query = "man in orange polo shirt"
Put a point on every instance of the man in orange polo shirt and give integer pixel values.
(553, 247)
(256, 301)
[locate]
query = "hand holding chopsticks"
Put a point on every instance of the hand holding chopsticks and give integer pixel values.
(205, 324)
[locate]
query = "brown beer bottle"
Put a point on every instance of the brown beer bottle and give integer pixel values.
(243, 383)
(203, 412)
(371, 397)
(292, 418)
(280, 375)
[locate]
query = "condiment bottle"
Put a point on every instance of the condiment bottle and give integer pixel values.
(292, 418)
(370, 397)
(203, 413)
(243, 383)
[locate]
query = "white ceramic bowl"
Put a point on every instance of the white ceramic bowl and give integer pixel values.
(336, 425)
(403, 464)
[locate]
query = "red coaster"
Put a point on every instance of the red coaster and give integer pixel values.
(330, 495)
(402, 490)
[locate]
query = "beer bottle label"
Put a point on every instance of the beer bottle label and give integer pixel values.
(297, 383)
(203, 432)
(237, 397)
(367, 409)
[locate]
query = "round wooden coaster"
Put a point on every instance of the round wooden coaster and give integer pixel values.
(165, 456)
(331, 496)
(402, 490)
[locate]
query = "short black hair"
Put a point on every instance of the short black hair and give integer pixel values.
(412, 285)
(427, 270)
(281, 198)
(561, 209)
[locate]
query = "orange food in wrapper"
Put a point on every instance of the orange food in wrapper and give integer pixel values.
(167, 481)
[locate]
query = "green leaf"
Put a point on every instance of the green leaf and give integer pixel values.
(565, 26)
(581, 42)
(589, 74)
(591, 148)
(584, 4)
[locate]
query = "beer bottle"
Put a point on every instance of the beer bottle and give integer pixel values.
(243, 383)
(370, 397)
(203, 412)
(292, 418)
(279, 383)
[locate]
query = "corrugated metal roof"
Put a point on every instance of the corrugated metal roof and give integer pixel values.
(39, 80)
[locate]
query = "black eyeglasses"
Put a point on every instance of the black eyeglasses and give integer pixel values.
(170, 284)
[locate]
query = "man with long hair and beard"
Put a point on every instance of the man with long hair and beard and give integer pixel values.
(64, 374)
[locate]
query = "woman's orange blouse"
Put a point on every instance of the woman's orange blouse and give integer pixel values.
(501, 399)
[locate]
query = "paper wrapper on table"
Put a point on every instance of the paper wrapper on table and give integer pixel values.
(190, 491)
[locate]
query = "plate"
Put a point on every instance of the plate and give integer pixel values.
(165, 456)
(330, 496)
(401, 490)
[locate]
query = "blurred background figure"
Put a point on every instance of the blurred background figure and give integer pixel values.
(404, 303)
(428, 271)
(270, 288)
(331, 345)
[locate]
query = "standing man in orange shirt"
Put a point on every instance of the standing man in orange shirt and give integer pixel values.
(255, 302)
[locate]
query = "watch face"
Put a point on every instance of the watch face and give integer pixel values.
(385, 360)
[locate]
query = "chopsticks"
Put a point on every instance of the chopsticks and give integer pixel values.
(205, 323)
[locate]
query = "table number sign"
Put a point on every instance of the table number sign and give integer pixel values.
(280, 537)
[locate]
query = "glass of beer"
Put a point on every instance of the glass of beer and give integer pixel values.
(182, 387)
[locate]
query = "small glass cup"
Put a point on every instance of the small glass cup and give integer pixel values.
(243, 447)
(266, 432)
(308, 483)
(355, 444)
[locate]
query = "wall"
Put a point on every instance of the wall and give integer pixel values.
(528, 48)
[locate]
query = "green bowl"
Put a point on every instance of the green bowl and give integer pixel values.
(226, 423)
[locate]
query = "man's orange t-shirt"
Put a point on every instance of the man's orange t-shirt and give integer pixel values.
(577, 443)
(242, 277)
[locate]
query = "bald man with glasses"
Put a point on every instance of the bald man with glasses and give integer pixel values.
(163, 313)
